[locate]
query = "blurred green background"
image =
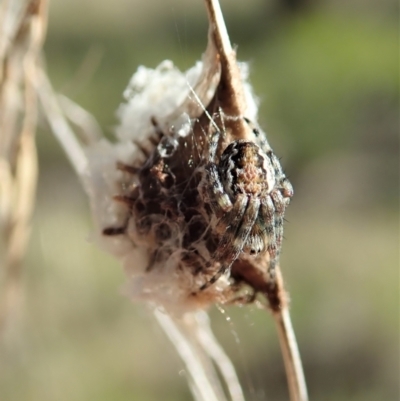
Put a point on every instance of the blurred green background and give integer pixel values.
(327, 76)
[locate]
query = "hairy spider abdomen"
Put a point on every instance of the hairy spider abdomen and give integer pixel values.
(246, 169)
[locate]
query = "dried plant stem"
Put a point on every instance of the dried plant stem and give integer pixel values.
(23, 32)
(290, 352)
(231, 82)
(202, 376)
(254, 273)
(193, 338)
(291, 356)
(60, 126)
(218, 355)
(89, 129)
(218, 29)
(23, 189)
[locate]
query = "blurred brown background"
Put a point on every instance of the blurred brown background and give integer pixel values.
(327, 76)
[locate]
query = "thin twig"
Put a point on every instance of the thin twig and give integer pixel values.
(254, 271)
(231, 81)
(60, 126)
(291, 356)
(89, 129)
(287, 339)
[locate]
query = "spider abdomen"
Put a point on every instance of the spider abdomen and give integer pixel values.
(246, 169)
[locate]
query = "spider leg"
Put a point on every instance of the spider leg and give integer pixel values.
(283, 183)
(261, 138)
(276, 165)
(274, 209)
(218, 198)
(280, 206)
(212, 146)
(242, 218)
(232, 222)
(287, 190)
(269, 214)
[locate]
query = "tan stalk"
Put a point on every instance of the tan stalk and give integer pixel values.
(254, 272)
(25, 30)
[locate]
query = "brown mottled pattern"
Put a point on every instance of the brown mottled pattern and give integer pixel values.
(177, 201)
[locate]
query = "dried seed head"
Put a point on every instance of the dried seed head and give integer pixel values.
(179, 197)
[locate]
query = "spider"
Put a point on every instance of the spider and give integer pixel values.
(249, 189)
(245, 188)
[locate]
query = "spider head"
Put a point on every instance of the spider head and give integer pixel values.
(245, 168)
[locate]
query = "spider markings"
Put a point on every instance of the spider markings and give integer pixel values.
(249, 187)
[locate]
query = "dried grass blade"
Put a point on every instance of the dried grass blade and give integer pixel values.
(291, 356)
(201, 373)
(21, 43)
